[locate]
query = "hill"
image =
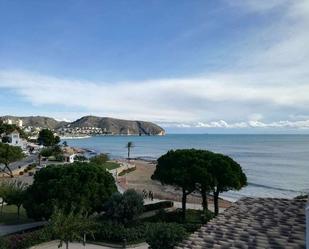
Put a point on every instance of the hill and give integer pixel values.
(110, 125)
(36, 121)
(119, 126)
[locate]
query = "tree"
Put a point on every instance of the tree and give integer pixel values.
(70, 226)
(83, 186)
(123, 208)
(47, 138)
(16, 194)
(9, 128)
(178, 168)
(129, 146)
(226, 175)
(9, 154)
(99, 159)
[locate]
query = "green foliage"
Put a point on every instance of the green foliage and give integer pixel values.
(46, 152)
(9, 128)
(47, 138)
(200, 170)
(111, 165)
(70, 226)
(165, 235)
(99, 159)
(115, 233)
(84, 186)
(15, 194)
(158, 205)
(9, 154)
(123, 208)
(54, 152)
(26, 240)
(127, 171)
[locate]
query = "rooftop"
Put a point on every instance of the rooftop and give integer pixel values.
(254, 223)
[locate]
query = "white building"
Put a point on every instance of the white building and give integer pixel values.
(69, 157)
(14, 138)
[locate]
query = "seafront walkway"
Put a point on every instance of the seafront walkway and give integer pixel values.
(54, 245)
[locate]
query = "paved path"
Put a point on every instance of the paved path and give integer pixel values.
(8, 229)
(54, 245)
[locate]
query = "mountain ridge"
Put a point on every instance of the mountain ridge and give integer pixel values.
(110, 125)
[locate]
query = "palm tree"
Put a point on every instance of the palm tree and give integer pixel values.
(129, 146)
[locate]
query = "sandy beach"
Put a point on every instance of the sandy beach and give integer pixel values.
(140, 179)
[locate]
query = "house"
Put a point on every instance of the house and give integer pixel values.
(69, 157)
(14, 139)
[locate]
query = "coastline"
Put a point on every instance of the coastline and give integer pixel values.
(140, 180)
(72, 137)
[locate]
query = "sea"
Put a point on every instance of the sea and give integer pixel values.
(275, 165)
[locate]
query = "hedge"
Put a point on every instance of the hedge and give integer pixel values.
(107, 232)
(165, 235)
(158, 205)
(126, 171)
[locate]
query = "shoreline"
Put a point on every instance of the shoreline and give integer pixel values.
(140, 180)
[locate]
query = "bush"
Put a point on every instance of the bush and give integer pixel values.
(26, 240)
(83, 186)
(107, 232)
(126, 171)
(164, 235)
(158, 205)
(123, 208)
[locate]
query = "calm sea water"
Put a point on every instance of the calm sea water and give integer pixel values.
(276, 165)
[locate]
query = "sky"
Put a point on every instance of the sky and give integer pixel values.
(202, 66)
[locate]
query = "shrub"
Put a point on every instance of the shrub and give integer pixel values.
(107, 232)
(26, 240)
(21, 173)
(123, 208)
(158, 205)
(164, 235)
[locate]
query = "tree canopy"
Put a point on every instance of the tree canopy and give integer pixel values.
(78, 186)
(9, 154)
(200, 170)
(47, 138)
(178, 168)
(123, 208)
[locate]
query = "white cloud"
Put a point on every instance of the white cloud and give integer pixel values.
(303, 124)
(268, 84)
(165, 100)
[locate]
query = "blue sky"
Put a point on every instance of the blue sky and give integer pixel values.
(191, 66)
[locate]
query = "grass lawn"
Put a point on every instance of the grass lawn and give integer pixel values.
(111, 165)
(9, 216)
